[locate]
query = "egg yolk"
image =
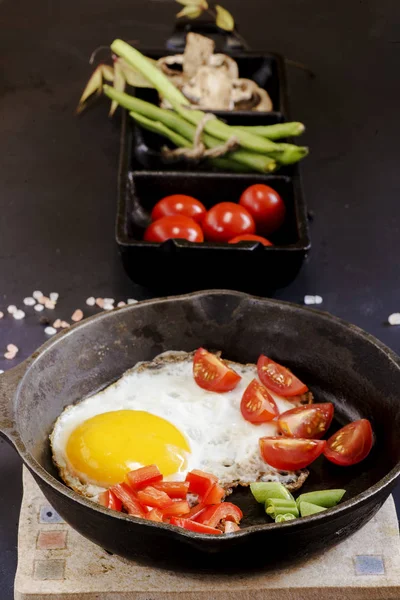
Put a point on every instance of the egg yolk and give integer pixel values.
(105, 447)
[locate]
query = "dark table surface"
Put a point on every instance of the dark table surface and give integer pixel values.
(58, 173)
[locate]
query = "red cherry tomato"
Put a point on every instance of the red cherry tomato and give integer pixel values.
(351, 444)
(278, 379)
(177, 226)
(249, 237)
(257, 405)
(212, 374)
(310, 421)
(179, 204)
(225, 221)
(290, 454)
(266, 207)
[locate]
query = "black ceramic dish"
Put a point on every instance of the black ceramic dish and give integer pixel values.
(178, 265)
(145, 177)
(340, 363)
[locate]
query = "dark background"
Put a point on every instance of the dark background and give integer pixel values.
(58, 173)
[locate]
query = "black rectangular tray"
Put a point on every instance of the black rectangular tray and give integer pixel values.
(178, 265)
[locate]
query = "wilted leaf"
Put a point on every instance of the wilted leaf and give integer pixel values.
(224, 18)
(133, 77)
(93, 86)
(199, 3)
(119, 85)
(108, 72)
(191, 11)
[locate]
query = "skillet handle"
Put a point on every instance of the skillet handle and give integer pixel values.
(9, 382)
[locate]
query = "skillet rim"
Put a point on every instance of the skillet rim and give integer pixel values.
(296, 524)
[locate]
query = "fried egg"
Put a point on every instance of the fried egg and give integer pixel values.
(157, 414)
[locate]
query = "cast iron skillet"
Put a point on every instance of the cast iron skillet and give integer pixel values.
(340, 362)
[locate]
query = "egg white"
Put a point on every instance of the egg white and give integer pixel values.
(222, 442)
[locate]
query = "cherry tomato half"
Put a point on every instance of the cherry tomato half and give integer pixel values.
(309, 422)
(212, 374)
(249, 237)
(279, 379)
(265, 206)
(257, 405)
(177, 226)
(225, 221)
(351, 444)
(179, 204)
(290, 454)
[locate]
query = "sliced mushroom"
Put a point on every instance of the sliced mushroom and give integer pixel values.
(222, 61)
(198, 52)
(165, 64)
(247, 95)
(210, 89)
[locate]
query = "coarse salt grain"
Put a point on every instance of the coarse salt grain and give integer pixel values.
(1, 315)
(37, 294)
(107, 306)
(12, 348)
(121, 304)
(108, 300)
(77, 316)
(9, 355)
(131, 301)
(64, 324)
(100, 302)
(91, 301)
(394, 319)
(50, 331)
(54, 297)
(19, 314)
(29, 301)
(43, 299)
(39, 307)
(57, 323)
(50, 304)
(11, 309)
(313, 299)
(1, 371)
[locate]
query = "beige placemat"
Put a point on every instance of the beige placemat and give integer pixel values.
(56, 563)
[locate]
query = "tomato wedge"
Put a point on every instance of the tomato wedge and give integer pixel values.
(140, 478)
(351, 444)
(257, 405)
(155, 515)
(230, 527)
(176, 509)
(278, 379)
(110, 500)
(200, 482)
(154, 498)
(310, 421)
(215, 495)
(214, 514)
(290, 454)
(212, 374)
(129, 499)
(194, 526)
(174, 489)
